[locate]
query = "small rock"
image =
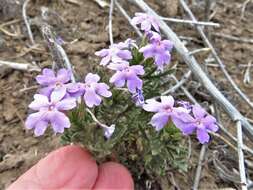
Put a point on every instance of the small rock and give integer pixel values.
(169, 7)
(8, 114)
(11, 161)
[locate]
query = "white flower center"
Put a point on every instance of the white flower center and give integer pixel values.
(169, 109)
(51, 107)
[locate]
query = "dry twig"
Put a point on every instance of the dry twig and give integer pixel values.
(110, 21)
(30, 34)
(247, 77)
(199, 50)
(20, 66)
(9, 33)
(243, 181)
(176, 20)
(233, 38)
(199, 167)
(178, 84)
(244, 5)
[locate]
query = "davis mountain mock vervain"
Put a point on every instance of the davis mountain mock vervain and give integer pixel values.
(58, 94)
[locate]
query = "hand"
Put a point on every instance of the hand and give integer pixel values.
(72, 167)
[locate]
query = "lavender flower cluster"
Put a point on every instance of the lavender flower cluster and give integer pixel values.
(58, 95)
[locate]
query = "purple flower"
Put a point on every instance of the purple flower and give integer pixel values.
(201, 122)
(153, 36)
(108, 131)
(93, 90)
(127, 44)
(146, 21)
(159, 51)
(50, 82)
(138, 98)
(75, 89)
(125, 73)
(114, 54)
(185, 105)
(49, 112)
(164, 110)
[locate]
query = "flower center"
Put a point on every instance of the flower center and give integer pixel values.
(87, 85)
(58, 84)
(168, 109)
(198, 122)
(51, 107)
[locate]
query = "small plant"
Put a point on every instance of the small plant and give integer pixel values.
(114, 121)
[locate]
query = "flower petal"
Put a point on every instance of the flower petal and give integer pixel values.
(59, 121)
(108, 131)
(134, 84)
(198, 111)
(39, 102)
(102, 89)
(138, 69)
(58, 94)
(66, 104)
(40, 128)
(136, 20)
(90, 77)
(63, 76)
(185, 128)
(102, 53)
(167, 44)
(145, 25)
(152, 105)
(202, 136)
(75, 90)
(91, 98)
(167, 101)
(47, 90)
(213, 128)
(118, 79)
(105, 60)
(148, 51)
(46, 78)
(159, 120)
(124, 54)
(209, 120)
(34, 118)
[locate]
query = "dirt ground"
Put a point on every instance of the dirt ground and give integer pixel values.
(19, 149)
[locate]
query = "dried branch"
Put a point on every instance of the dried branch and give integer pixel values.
(199, 50)
(199, 167)
(30, 34)
(98, 122)
(224, 173)
(110, 21)
(247, 78)
(176, 20)
(178, 84)
(215, 55)
(233, 38)
(20, 66)
(198, 72)
(243, 181)
(244, 5)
